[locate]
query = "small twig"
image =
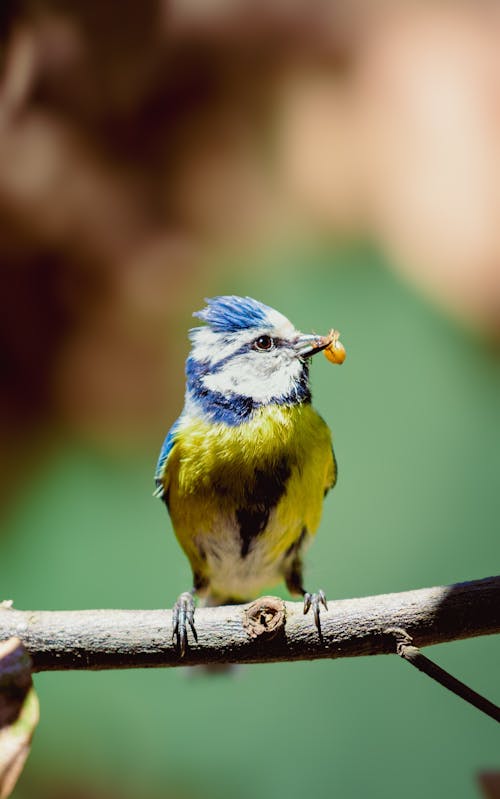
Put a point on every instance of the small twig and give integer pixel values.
(267, 630)
(413, 655)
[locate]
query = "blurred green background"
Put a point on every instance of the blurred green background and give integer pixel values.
(416, 421)
(340, 162)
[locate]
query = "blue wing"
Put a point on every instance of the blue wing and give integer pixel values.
(165, 451)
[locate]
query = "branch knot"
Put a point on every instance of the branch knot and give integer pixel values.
(265, 617)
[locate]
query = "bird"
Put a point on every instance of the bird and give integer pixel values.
(245, 468)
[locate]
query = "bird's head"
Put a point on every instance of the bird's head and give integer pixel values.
(248, 355)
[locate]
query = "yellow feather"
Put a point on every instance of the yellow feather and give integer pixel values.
(208, 473)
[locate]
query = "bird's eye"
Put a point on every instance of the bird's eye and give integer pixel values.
(264, 343)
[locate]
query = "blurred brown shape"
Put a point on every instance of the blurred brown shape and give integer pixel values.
(429, 84)
(19, 712)
(405, 146)
(52, 785)
(489, 782)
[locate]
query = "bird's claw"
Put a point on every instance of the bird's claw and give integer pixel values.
(182, 616)
(314, 601)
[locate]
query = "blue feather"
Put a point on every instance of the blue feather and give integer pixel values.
(229, 314)
(230, 409)
(165, 451)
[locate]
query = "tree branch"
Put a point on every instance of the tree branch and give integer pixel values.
(413, 655)
(267, 630)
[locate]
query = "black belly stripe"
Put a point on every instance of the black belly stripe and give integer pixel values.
(262, 496)
(251, 521)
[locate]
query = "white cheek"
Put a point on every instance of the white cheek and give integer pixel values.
(258, 376)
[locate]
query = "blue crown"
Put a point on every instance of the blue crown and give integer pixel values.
(230, 313)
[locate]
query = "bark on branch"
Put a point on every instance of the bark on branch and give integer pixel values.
(266, 630)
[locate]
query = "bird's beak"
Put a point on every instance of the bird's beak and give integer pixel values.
(308, 345)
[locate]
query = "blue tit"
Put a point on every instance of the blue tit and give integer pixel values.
(246, 466)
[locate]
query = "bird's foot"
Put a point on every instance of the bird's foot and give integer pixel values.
(314, 601)
(182, 616)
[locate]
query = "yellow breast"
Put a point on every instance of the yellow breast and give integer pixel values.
(216, 473)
